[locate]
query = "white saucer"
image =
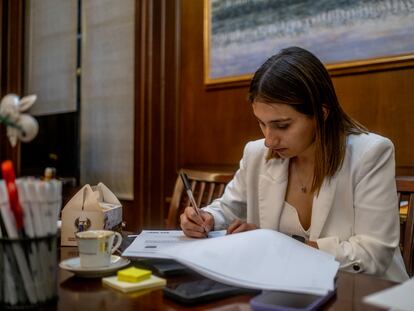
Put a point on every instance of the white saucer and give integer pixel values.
(73, 265)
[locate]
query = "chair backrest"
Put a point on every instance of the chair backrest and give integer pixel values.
(405, 189)
(206, 186)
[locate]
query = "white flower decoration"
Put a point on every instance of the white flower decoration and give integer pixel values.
(19, 125)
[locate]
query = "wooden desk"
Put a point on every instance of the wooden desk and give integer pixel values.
(89, 294)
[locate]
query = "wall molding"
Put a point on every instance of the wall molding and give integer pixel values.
(156, 110)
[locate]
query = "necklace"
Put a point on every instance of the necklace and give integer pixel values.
(303, 186)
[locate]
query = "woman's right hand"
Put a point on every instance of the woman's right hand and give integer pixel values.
(194, 225)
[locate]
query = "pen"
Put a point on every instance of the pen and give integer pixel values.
(187, 188)
(10, 181)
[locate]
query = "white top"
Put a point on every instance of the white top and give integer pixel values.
(290, 223)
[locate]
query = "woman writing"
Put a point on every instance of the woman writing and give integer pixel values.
(317, 173)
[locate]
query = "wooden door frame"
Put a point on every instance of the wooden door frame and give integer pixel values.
(157, 34)
(11, 65)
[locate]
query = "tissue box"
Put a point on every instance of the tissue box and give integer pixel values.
(91, 208)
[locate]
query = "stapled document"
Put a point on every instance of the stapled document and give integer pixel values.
(257, 259)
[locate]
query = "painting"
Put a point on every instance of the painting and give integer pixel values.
(239, 35)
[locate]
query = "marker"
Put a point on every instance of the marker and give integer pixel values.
(10, 181)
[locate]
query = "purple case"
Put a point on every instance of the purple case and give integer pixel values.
(288, 301)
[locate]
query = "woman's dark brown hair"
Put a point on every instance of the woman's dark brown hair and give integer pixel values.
(296, 77)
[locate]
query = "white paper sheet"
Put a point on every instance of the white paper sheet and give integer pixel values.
(399, 297)
(151, 243)
(263, 259)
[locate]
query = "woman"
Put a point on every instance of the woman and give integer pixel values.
(317, 174)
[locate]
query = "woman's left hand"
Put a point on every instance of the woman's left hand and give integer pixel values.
(240, 226)
(312, 244)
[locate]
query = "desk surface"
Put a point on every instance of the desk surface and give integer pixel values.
(89, 294)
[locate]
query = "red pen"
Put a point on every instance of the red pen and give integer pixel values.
(10, 181)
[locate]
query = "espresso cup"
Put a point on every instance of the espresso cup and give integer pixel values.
(96, 246)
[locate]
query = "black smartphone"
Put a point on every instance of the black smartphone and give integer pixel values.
(287, 301)
(201, 291)
(163, 267)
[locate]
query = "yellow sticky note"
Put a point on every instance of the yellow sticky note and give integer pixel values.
(133, 275)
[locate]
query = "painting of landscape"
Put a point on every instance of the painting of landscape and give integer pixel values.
(242, 34)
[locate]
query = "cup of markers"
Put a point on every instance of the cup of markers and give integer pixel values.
(29, 210)
(28, 278)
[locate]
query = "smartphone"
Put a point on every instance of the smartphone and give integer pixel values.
(163, 267)
(201, 291)
(287, 301)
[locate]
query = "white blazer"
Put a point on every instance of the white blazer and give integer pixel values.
(355, 216)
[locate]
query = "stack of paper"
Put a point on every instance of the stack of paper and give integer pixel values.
(260, 259)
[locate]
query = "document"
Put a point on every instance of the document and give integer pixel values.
(151, 243)
(399, 297)
(258, 259)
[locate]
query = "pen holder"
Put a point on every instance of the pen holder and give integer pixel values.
(28, 272)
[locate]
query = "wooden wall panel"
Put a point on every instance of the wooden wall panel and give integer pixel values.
(11, 65)
(1, 46)
(383, 102)
(156, 114)
(216, 123)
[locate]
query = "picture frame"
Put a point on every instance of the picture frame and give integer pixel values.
(348, 36)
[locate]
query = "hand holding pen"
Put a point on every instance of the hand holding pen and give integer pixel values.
(194, 222)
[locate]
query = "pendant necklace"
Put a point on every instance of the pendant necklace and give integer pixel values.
(303, 187)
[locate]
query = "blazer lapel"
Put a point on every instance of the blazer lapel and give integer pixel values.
(272, 190)
(321, 207)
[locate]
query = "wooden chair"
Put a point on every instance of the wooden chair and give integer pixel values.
(206, 186)
(405, 189)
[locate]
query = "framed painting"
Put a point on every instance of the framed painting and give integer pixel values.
(347, 35)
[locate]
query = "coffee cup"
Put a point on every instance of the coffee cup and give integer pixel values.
(96, 246)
